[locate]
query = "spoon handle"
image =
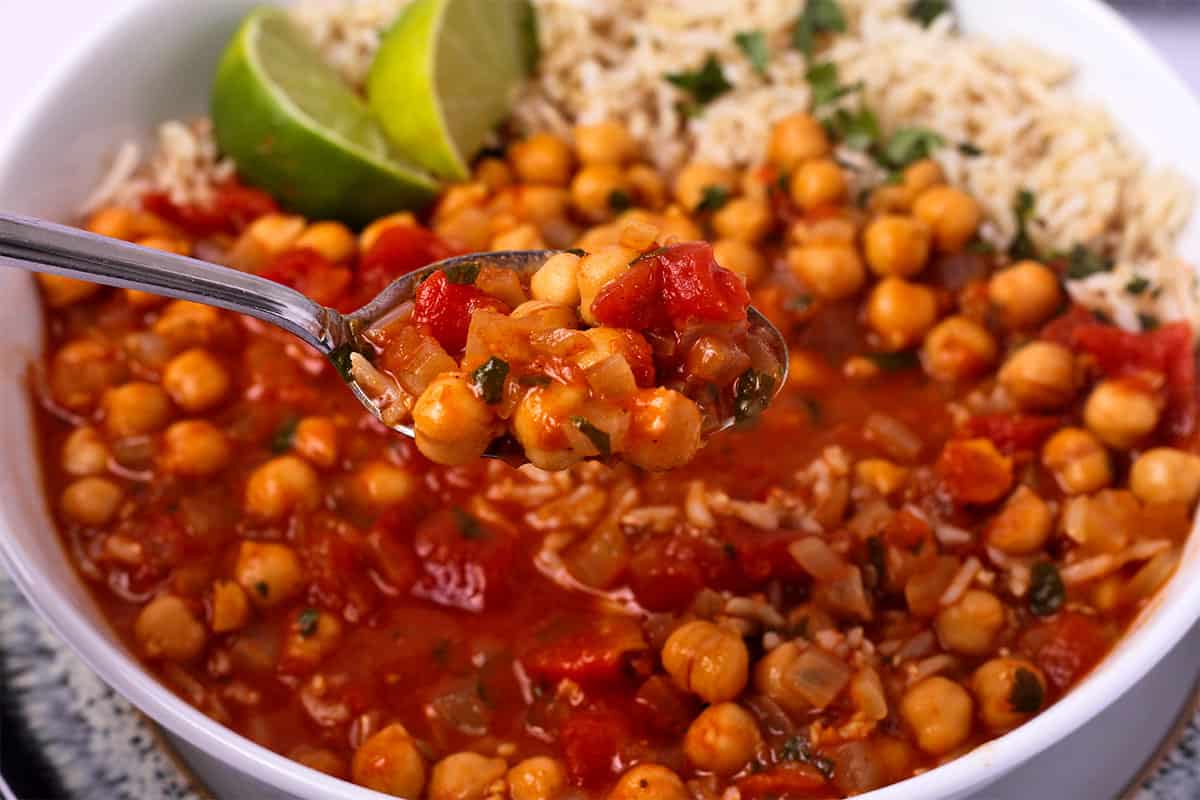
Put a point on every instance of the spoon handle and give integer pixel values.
(41, 246)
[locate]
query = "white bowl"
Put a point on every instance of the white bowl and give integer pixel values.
(153, 63)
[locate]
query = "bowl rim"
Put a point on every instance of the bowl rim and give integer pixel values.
(1153, 636)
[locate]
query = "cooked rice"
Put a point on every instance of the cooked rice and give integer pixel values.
(347, 32)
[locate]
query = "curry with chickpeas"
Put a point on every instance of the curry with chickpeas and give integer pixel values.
(965, 492)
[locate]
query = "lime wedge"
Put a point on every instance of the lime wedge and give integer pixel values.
(296, 130)
(446, 73)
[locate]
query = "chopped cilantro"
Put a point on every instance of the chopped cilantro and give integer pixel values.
(464, 274)
(619, 200)
(489, 379)
(598, 437)
(730, 551)
(819, 16)
(714, 199)
(576, 251)
(895, 362)
(1027, 693)
(704, 84)
(752, 394)
(306, 623)
(1137, 285)
(908, 145)
(754, 45)
(281, 439)
(1046, 590)
(1148, 321)
(263, 588)
(1022, 245)
(468, 527)
(798, 749)
(857, 129)
(969, 150)
(926, 11)
(981, 247)
(823, 81)
(798, 303)
(1083, 263)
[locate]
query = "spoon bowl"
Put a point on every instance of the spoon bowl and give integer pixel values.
(41, 246)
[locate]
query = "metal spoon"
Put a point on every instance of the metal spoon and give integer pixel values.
(41, 246)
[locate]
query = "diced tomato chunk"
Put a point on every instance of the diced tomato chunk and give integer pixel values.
(974, 471)
(906, 530)
(445, 309)
(674, 285)
(666, 573)
(788, 780)
(310, 273)
(464, 564)
(591, 742)
(664, 707)
(1012, 433)
(233, 207)
(1061, 329)
(597, 655)
(398, 251)
(1067, 647)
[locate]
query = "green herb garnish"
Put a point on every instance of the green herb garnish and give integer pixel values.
(798, 303)
(819, 16)
(619, 200)
(306, 623)
(468, 527)
(1027, 694)
(754, 45)
(281, 439)
(489, 379)
(969, 150)
(1022, 245)
(705, 84)
(263, 588)
(798, 749)
(926, 11)
(857, 129)
(823, 80)
(981, 247)
(462, 274)
(1046, 590)
(714, 199)
(752, 394)
(908, 145)
(895, 362)
(730, 551)
(576, 251)
(1083, 263)
(1137, 285)
(597, 437)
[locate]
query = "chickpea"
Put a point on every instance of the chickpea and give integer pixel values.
(677, 226)
(796, 138)
(594, 272)
(1009, 691)
(522, 237)
(280, 486)
(493, 173)
(184, 324)
(61, 292)
(1025, 295)
(1166, 475)
(745, 218)
(741, 257)
(333, 240)
(115, 222)
(649, 782)
(604, 143)
(312, 636)
(1121, 413)
(711, 662)
(816, 183)
(468, 230)
(452, 424)
(167, 628)
(1041, 376)
(537, 778)
(1078, 460)
(136, 408)
(382, 484)
(952, 215)
(195, 449)
(370, 234)
(92, 501)
(389, 762)
(939, 712)
(723, 739)
(971, 625)
(195, 380)
(85, 453)
(897, 245)
(542, 204)
(664, 429)
(557, 281)
(82, 371)
(901, 313)
(538, 421)
(230, 607)
(464, 776)
(882, 476)
(649, 189)
(636, 233)
(270, 573)
(265, 238)
(542, 158)
(958, 349)
(599, 191)
(1024, 524)
(697, 178)
(921, 175)
(832, 270)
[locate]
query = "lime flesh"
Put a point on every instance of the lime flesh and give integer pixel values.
(447, 73)
(296, 130)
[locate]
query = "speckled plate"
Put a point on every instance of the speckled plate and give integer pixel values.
(78, 740)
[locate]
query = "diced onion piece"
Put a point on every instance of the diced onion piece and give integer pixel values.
(818, 676)
(612, 378)
(866, 689)
(1147, 580)
(817, 558)
(893, 437)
